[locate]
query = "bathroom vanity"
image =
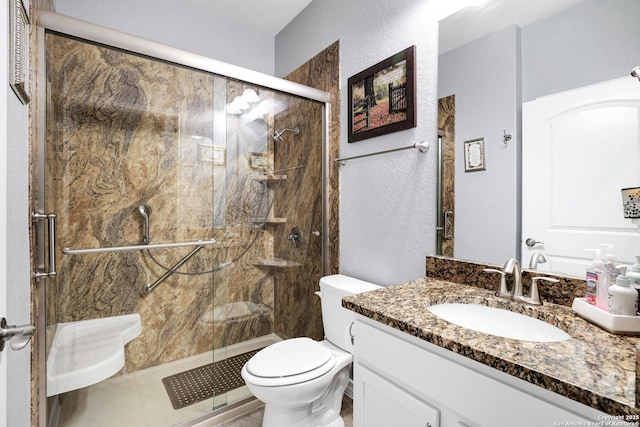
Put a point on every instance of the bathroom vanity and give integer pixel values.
(412, 368)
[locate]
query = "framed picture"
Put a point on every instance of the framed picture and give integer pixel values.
(215, 154)
(259, 161)
(382, 97)
(474, 158)
(19, 50)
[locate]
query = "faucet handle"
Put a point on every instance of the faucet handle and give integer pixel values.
(502, 290)
(534, 296)
(534, 281)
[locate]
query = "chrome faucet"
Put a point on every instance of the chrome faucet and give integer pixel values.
(536, 258)
(512, 266)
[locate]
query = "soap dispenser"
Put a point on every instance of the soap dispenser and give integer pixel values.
(608, 267)
(633, 273)
(594, 276)
(623, 299)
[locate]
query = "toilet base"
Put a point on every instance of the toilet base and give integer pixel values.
(324, 412)
(298, 417)
(294, 417)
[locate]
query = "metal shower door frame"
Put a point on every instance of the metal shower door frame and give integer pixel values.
(94, 33)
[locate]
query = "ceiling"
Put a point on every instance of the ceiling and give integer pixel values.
(483, 18)
(265, 16)
(472, 22)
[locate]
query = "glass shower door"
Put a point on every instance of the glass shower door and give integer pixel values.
(129, 162)
(143, 156)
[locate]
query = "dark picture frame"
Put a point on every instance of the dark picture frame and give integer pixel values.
(19, 50)
(382, 97)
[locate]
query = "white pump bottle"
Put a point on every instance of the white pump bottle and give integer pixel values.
(623, 300)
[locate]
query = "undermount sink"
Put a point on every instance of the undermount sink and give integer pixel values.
(499, 322)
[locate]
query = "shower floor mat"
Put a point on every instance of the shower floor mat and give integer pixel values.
(204, 382)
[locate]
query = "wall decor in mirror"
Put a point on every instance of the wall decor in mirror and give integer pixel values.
(474, 155)
(631, 202)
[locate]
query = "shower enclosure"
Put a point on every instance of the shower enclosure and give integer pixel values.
(191, 199)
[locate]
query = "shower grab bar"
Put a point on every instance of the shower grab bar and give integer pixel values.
(149, 287)
(422, 146)
(136, 247)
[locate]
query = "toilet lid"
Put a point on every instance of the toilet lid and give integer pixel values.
(289, 357)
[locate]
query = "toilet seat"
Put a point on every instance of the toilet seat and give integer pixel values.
(290, 361)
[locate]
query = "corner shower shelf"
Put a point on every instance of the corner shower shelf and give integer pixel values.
(270, 221)
(270, 179)
(233, 312)
(88, 351)
(276, 262)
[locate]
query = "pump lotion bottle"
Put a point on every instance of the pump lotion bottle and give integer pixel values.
(594, 278)
(622, 298)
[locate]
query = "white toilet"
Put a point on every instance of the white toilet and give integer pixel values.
(302, 381)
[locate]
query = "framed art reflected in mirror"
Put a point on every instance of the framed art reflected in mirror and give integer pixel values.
(474, 157)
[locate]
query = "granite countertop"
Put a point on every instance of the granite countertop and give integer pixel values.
(594, 367)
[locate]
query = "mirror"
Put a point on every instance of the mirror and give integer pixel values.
(497, 56)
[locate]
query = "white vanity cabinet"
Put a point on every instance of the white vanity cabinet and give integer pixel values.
(400, 380)
(385, 404)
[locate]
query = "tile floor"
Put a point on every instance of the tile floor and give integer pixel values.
(140, 400)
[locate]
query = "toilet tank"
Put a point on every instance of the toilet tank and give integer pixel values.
(336, 319)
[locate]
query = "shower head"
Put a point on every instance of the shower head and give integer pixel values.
(636, 72)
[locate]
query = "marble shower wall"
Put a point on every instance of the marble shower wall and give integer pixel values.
(300, 202)
(298, 310)
(446, 125)
(124, 130)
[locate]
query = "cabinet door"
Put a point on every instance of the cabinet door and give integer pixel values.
(380, 403)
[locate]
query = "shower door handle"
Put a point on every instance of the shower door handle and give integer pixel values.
(446, 232)
(51, 247)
